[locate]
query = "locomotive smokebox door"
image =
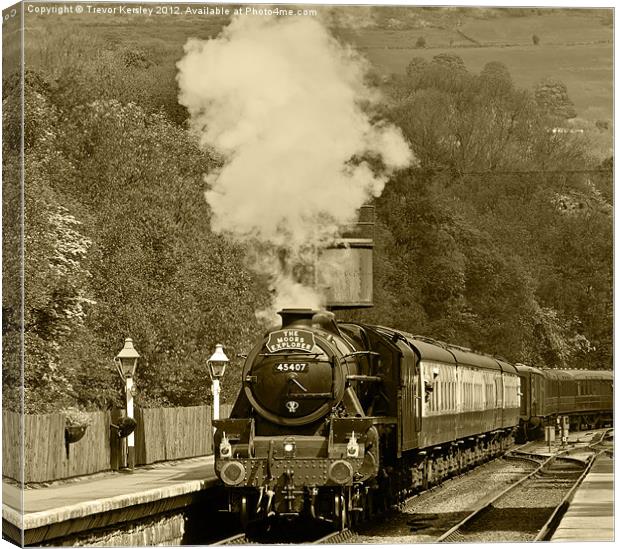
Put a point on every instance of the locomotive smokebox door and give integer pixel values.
(344, 270)
(295, 377)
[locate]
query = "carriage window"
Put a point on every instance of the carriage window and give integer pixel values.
(453, 384)
(442, 400)
(452, 395)
(455, 399)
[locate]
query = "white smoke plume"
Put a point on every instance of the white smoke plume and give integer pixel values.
(281, 101)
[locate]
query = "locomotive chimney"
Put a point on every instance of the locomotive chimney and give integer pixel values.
(297, 317)
(309, 318)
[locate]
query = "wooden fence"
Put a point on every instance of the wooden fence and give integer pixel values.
(174, 433)
(161, 434)
(12, 445)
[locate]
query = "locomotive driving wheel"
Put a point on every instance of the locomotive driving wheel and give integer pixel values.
(356, 505)
(244, 514)
(340, 511)
(369, 504)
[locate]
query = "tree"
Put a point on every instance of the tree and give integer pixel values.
(496, 73)
(535, 39)
(450, 60)
(552, 98)
(160, 275)
(459, 121)
(417, 64)
(420, 42)
(118, 243)
(56, 277)
(12, 247)
(480, 248)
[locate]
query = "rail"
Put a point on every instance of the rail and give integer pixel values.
(552, 523)
(237, 539)
(452, 533)
(331, 538)
(601, 437)
(456, 533)
(420, 496)
(335, 537)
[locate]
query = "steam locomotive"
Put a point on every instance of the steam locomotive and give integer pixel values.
(335, 420)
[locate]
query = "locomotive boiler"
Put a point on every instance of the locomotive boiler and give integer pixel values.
(335, 419)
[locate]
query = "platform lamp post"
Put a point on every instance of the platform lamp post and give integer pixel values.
(217, 365)
(126, 362)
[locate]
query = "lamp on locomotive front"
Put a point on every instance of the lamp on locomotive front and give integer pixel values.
(217, 366)
(126, 363)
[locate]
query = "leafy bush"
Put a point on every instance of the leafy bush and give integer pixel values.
(74, 417)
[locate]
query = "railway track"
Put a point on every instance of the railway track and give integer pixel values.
(567, 472)
(603, 443)
(331, 538)
(237, 539)
(532, 457)
(508, 517)
(430, 492)
(335, 537)
(604, 440)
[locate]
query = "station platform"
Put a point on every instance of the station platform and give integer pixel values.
(590, 515)
(93, 502)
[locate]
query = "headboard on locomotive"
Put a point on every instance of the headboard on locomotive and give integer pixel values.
(344, 270)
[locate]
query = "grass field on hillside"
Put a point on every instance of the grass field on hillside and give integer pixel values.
(553, 29)
(560, 28)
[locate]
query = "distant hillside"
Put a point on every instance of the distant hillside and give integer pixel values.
(416, 18)
(574, 46)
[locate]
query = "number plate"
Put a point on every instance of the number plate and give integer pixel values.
(291, 367)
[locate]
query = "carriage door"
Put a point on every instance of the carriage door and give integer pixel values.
(408, 407)
(417, 387)
(499, 397)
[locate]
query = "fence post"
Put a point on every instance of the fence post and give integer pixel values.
(140, 436)
(116, 454)
(209, 433)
